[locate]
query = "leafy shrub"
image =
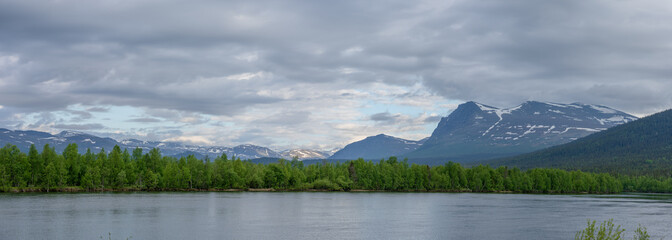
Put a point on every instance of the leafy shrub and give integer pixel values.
(325, 184)
(608, 231)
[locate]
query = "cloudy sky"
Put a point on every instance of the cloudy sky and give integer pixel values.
(318, 74)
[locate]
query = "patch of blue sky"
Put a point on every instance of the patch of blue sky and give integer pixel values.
(441, 108)
(116, 117)
(372, 107)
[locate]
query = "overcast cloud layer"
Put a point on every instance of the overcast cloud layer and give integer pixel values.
(318, 74)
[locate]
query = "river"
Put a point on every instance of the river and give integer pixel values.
(323, 215)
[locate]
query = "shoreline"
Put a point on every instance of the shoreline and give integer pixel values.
(120, 190)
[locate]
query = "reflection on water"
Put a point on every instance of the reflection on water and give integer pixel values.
(323, 215)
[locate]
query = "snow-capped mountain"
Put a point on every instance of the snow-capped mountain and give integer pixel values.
(303, 154)
(249, 151)
(376, 148)
(476, 131)
(23, 140)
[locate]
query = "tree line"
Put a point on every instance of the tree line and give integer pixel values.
(123, 170)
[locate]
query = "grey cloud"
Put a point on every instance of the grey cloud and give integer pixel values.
(286, 118)
(144, 120)
(385, 117)
(88, 126)
(556, 51)
(80, 115)
(255, 135)
(183, 60)
(43, 118)
(8, 119)
(97, 109)
(134, 64)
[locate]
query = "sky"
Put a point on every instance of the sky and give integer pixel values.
(318, 74)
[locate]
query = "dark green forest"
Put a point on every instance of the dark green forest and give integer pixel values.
(119, 170)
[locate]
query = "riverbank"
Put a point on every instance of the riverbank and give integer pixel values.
(131, 189)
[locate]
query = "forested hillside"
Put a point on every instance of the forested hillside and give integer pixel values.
(641, 147)
(134, 171)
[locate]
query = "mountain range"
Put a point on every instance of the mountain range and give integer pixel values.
(23, 140)
(472, 132)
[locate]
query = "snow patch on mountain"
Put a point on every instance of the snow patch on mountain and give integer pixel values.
(582, 129)
(303, 154)
(603, 109)
(556, 104)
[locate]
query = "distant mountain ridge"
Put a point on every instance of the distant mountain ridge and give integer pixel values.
(476, 131)
(304, 154)
(377, 147)
(23, 140)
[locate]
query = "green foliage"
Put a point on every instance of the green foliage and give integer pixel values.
(609, 231)
(325, 184)
(606, 231)
(641, 233)
(150, 171)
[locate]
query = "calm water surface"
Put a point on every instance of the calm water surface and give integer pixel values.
(323, 215)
